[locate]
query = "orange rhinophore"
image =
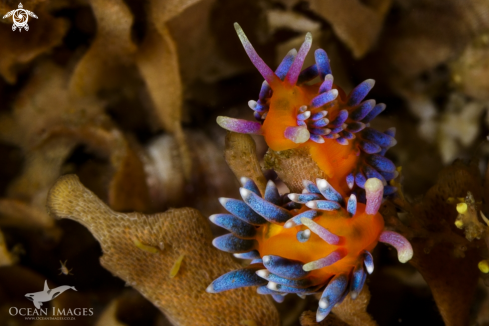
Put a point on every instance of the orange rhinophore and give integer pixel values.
(318, 241)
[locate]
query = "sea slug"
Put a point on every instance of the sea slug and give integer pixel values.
(320, 240)
(333, 126)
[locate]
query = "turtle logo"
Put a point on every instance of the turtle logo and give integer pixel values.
(20, 17)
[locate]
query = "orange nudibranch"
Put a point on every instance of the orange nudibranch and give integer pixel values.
(333, 126)
(318, 241)
(308, 243)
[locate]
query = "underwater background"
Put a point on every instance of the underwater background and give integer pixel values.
(115, 159)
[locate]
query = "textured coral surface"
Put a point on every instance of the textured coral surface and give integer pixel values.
(178, 232)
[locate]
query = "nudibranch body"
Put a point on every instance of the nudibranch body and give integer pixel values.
(313, 242)
(318, 241)
(333, 126)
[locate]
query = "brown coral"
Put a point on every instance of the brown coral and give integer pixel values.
(356, 23)
(183, 231)
(432, 233)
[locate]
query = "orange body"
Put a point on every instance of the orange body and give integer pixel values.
(360, 232)
(335, 160)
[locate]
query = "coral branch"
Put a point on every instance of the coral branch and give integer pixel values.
(148, 272)
(240, 154)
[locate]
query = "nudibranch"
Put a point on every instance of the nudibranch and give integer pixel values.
(333, 126)
(308, 243)
(318, 241)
